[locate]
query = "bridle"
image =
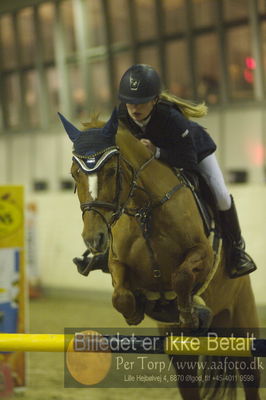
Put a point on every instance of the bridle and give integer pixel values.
(116, 205)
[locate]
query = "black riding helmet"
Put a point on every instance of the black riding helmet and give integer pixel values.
(139, 84)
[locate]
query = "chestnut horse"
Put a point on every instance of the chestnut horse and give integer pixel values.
(159, 255)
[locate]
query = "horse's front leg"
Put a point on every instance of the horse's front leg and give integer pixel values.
(191, 273)
(123, 298)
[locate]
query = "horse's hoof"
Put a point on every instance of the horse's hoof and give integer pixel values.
(136, 319)
(124, 301)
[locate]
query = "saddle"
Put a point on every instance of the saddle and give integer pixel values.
(204, 200)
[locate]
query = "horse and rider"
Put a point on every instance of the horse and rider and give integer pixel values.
(142, 221)
(161, 122)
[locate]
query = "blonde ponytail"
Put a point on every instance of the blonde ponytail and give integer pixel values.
(187, 108)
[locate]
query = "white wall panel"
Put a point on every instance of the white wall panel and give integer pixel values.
(20, 159)
(244, 142)
(47, 155)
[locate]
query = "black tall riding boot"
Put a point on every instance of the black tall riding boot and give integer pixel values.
(89, 263)
(239, 262)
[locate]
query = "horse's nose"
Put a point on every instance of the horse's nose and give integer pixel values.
(95, 244)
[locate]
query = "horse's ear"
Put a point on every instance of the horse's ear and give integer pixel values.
(71, 130)
(110, 128)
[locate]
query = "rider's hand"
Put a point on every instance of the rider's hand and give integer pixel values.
(149, 145)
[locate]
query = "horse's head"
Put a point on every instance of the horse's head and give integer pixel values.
(95, 169)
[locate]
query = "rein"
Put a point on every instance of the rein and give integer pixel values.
(143, 214)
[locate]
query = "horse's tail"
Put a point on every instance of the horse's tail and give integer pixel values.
(217, 382)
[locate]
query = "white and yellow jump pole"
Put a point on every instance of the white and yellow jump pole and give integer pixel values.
(173, 345)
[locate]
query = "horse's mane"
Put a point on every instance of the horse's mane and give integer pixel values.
(94, 122)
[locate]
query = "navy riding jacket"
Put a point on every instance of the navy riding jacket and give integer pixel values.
(183, 143)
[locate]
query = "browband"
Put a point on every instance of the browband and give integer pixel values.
(93, 163)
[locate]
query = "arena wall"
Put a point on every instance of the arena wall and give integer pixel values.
(27, 157)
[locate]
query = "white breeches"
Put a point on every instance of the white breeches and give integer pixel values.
(211, 172)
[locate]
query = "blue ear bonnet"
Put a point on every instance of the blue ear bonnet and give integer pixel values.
(92, 142)
(93, 147)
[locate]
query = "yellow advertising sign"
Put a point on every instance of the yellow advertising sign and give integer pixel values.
(12, 283)
(11, 216)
